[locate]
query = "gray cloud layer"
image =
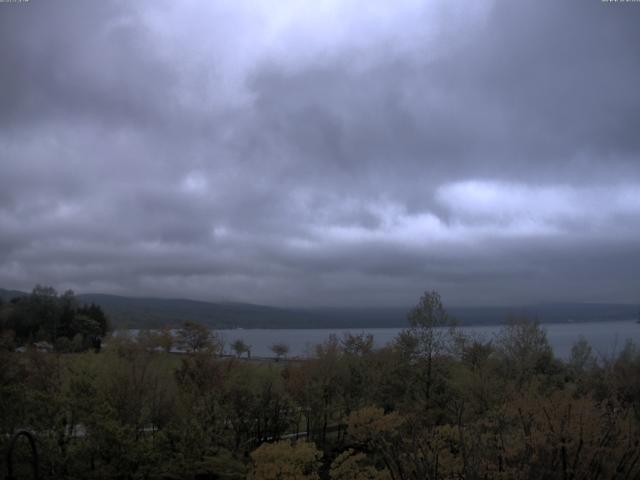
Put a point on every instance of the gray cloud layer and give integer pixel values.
(330, 153)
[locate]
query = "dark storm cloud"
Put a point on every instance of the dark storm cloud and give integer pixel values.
(341, 153)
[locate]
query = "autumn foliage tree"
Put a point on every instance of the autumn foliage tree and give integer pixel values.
(195, 337)
(286, 461)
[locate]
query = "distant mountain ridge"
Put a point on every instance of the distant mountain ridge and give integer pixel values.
(147, 312)
(7, 295)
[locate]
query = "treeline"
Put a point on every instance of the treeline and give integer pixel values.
(434, 404)
(58, 320)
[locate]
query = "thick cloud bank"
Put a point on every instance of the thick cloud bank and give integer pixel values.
(322, 153)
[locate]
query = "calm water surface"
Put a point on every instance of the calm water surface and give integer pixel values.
(606, 338)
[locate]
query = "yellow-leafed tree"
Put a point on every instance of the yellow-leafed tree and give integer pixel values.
(286, 461)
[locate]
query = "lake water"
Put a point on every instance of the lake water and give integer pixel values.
(606, 338)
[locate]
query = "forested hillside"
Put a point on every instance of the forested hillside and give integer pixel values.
(135, 312)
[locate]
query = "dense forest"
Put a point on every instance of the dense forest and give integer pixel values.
(433, 404)
(55, 321)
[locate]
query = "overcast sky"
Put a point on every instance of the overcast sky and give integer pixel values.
(353, 152)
